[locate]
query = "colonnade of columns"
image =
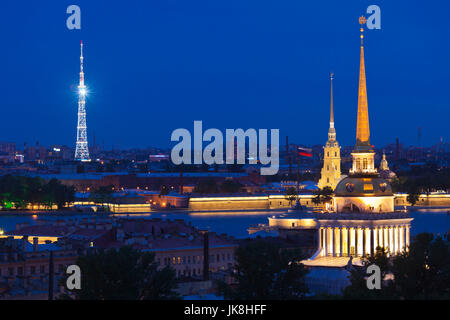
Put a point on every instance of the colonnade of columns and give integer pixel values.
(344, 241)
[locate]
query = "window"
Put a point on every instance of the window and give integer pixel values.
(11, 271)
(32, 269)
(20, 271)
(42, 269)
(335, 154)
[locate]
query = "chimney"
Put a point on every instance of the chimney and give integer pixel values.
(397, 149)
(205, 234)
(35, 244)
(181, 182)
(24, 243)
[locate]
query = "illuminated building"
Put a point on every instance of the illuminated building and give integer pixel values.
(81, 150)
(331, 171)
(364, 217)
(363, 204)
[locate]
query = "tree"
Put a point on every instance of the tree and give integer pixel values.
(290, 194)
(265, 271)
(358, 278)
(124, 274)
(57, 193)
(102, 194)
(413, 195)
(423, 272)
(323, 195)
(206, 186)
(230, 186)
(164, 190)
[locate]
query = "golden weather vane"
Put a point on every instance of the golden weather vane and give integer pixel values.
(362, 21)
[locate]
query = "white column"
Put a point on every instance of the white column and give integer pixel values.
(407, 236)
(391, 241)
(348, 241)
(394, 237)
(357, 242)
(333, 238)
(380, 237)
(386, 239)
(375, 239)
(341, 240)
(325, 242)
(364, 242)
(404, 237)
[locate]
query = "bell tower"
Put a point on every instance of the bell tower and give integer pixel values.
(331, 171)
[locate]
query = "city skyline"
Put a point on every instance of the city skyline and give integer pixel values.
(143, 85)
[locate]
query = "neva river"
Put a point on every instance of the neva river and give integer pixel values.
(235, 223)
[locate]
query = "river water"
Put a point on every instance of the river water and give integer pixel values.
(235, 223)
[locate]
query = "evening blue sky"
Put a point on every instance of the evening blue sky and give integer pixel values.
(154, 66)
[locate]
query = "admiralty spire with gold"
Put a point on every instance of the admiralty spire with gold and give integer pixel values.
(362, 217)
(331, 170)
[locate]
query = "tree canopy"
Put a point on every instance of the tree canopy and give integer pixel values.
(19, 191)
(266, 271)
(124, 274)
(422, 272)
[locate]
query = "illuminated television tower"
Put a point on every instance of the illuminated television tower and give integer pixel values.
(81, 150)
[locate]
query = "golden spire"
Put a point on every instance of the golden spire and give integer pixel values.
(331, 103)
(331, 130)
(362, 126)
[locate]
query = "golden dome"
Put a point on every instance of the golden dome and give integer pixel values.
(363, 186)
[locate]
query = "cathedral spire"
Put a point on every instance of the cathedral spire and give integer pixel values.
(331, 104)
(331, 130)
(362, 126)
